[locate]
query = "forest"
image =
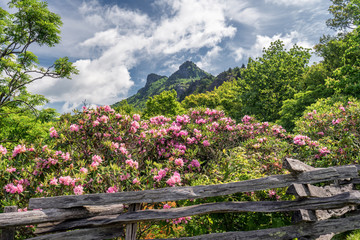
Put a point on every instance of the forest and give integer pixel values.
(276, 106)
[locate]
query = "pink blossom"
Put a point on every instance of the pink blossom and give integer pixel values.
(18, 149)
(136, 117)
(124, 177)
(94, 164)
(246, 119)
(104, 119)
(65, 180)
(11, 170)
(112, 189)
(179, 162)
(131, 163)
(3, 150)
(166, 206)
(321, 133)
(324, 151)
(272, 193)
(342, 108)
(97, 159)
(301, 140)
(108, 109)
(78, 190)
(337, 121)
(95, 123)
(74, 128)
(195, 163)
(174, 179)
(83, 170)
(206, 143)
(136, 181)
(161, 174)
(53, 133)
(11, 188)
(54, 181)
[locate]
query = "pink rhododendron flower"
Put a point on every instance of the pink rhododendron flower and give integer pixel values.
(78, 190)
(342, 108)
(112, 189)
(195, 163)
(74, 128)
(179, 162)
(161, 174)
(97, 159)
(18, 149)
(11, 170)
(95, 123)
(3, 150)
(174, 179)
(11, 188)
(54, 181)
(272, 193)
(166, 206)
(104, 119)
(131, 163)
(136, 181)
(206, 143)
(301, 140)
(83, 170)
(124, 177)
(136, 117)
(65, 180)
(53, 133)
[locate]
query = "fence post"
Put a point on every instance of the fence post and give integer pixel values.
(9, 233)
(132, 227)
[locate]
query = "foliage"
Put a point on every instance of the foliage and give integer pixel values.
(346, 14)
(312, 88)
(32, 23)
(163, 104)
(346, 77)
(334, 124)
(224, 97)
(20, 125)
(272, 79)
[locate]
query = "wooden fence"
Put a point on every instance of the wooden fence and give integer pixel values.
(102, 216)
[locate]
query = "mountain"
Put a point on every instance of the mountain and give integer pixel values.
(189, 79)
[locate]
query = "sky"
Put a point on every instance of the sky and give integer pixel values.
(115, 44)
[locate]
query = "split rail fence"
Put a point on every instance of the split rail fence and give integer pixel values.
(102, 216)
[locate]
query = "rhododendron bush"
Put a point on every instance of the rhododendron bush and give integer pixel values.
(99, 150)
(103, 151)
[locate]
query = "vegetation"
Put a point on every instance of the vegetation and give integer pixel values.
(187, 129)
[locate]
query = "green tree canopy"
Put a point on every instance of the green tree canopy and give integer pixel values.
(272, 79)
(346, 14)
(31, 23)
(163, 104)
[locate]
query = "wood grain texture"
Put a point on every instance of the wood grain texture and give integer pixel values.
(307, 230)
(341, 200)
(296, 166)
(52, 215)
(181, 193)
(9, 233)
(86, 234)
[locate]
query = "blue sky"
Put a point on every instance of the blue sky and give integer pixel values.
(116, 43)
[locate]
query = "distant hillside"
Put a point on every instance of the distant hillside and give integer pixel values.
(189, 79)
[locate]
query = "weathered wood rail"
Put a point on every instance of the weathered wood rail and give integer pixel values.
(102, 216)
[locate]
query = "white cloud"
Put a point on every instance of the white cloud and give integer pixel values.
(122, 38)
(264, 42)
(242, 13)
(206, 61)
(294, 2)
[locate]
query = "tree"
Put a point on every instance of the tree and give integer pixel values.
(32, 23)
(163, 104)
(346, 14)
(272, 79)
